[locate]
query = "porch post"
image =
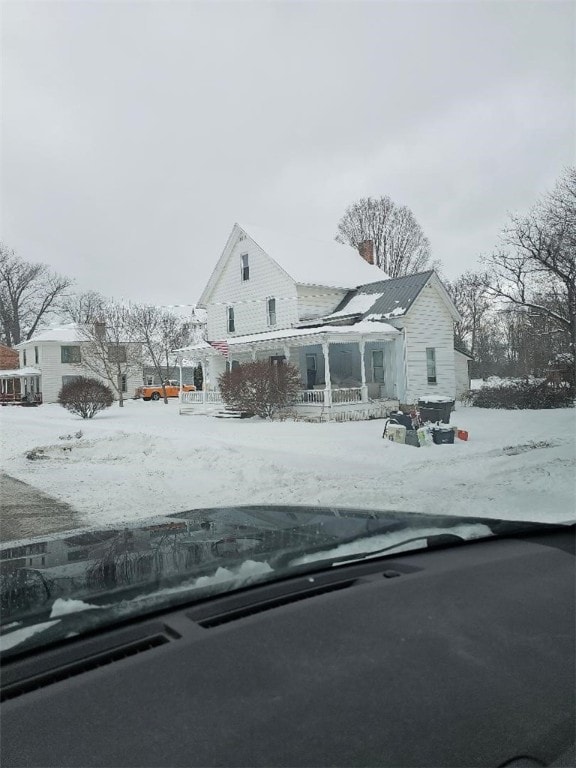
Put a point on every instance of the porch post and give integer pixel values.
(253, 354)
(401, 373)
(204, 368)
(327, 379)
(180, 372)
(364, 388)
(287, 353)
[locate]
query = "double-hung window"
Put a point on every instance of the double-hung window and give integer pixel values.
(271, 311)
(24, 357)
(230, 319)
(70, 355)
(244, 267)
(431, 365)
(36, 355)
(378, 366)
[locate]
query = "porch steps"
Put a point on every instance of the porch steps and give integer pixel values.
(228, 413)
(191, 410)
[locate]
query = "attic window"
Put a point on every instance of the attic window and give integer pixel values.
(230, 324)
(244, 267)
(271, 311)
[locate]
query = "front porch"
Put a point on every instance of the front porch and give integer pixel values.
(347, 372)
(20, 386)
(310, 405)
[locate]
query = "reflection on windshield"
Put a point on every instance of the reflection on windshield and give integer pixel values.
(221, 548)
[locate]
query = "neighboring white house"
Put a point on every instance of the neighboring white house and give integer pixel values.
(53, 356)
(363, 342)
(462, 359)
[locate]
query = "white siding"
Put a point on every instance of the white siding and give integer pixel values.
(317, 301)
(429, 324)
(267, 280)
(53, 370)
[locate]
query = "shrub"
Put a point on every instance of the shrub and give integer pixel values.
(260, 387)
(85, 396)
(519, 395)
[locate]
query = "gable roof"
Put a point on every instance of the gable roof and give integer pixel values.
(316, 262)
(388, 299)
(463, 349)
(306, 261)
(384, 299)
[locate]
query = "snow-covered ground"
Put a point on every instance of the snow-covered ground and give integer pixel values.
(146, 459)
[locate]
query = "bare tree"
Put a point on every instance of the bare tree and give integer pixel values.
(536, 265)
(84, 308)
(160, 333)
(400, 245)
(261, 388)
(108, 350)
(474, 303)
(29, 293)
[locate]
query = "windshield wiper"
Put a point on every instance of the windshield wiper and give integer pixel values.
(432, 541)
(499, 529)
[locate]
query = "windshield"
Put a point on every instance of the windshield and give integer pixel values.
(179, 558)
(283, 287)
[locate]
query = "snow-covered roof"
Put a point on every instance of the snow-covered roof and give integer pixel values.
(19, 373)
(359, 304)
(315, 262)
(307, 262)
(388, 298)
(68, 332)
(367, 328)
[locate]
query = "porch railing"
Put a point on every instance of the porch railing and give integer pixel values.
(348, 395)
(339, 396)
(197, 398)
(304, 397)
(310, 397)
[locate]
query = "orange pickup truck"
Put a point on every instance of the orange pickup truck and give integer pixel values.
(154, 392)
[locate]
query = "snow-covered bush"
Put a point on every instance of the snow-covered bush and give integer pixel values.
(260, 387)
(522, 394)
(85, 396)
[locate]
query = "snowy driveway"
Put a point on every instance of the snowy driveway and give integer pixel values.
(26, 511)
(146, 459)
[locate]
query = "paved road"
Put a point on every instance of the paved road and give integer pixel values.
(25, 511)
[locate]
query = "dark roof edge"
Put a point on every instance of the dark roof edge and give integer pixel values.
(459, 347)
(389, 280)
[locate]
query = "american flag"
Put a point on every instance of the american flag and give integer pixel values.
(221, 346)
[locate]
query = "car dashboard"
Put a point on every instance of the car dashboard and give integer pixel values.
(461, 656)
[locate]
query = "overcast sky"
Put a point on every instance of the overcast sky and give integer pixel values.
(136, 133)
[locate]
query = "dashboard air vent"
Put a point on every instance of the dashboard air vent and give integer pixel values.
(79, 668)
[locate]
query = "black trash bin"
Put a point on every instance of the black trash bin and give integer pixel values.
(442, 435)
(438, 409)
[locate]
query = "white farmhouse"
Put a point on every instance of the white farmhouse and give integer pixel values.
(363, 342)
(53, 357)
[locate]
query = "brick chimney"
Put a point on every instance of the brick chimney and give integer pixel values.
(366, 250)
